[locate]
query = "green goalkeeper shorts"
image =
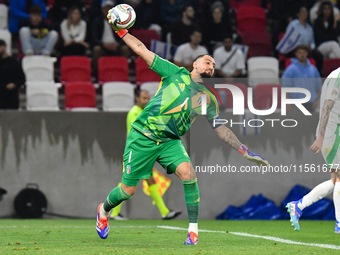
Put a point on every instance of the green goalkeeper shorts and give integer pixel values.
(141, 153)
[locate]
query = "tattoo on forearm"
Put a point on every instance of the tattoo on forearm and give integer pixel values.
(327, 107)
(231, 139)
(139, 44)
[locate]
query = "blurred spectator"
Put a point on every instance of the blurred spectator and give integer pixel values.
(105, 40)
(170, 11)
(284, 11)
(148, 16)
(215, 28)
(302, 74)
(326, 31)
(36, 36)
(183, 28)
(12, 77)
(19, 12)
(313, 12)
(73, 31)
(307, 36)
(187, 52)
(206, 14)
(229, 60)
(60, 9)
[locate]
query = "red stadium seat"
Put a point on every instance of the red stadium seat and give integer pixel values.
(235, 4)
(113, 69)
(144, 73)
(75, 68)
(79, 95)
(259, 44)
(289, 61)
(251, 19)
(329, 65)
(229, 99)
(145, 36)
(263, 96)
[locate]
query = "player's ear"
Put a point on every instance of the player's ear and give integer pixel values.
(195, 64)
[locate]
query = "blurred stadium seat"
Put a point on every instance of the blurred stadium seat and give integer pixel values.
(112, 69)
(151, 87)
(263, 70)
(38, 68)
(80, 95)
(259, 44)
(118, 96)
(251, 19)
(41, 96)
(329, 65)
(263, 96)
(144, 73)
(75, 68)
(235, 4)
(3, 16)
(227, 99)
(7, 37)
(145, 36)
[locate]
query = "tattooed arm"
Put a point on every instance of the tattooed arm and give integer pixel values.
(228, 136)
(326, 109)
(139, 48)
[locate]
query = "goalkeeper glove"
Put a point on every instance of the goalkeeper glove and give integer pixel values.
(112, 18)
(253, 157)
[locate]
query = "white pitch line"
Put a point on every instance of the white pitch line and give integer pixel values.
(271, 238)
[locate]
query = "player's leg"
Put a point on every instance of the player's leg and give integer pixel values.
(114, 198)
(336, 201)
(156, 196)
(175, 159)
(115, 214)
(186, 173)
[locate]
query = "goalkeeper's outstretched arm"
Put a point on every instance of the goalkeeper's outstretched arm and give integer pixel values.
(230, 138)
(135, 45)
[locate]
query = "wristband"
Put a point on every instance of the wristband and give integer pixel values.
(243, 149)
(121, 33)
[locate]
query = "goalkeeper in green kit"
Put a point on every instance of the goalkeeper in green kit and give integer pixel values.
(155, 134)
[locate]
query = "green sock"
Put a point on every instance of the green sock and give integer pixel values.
(116, 196)
(154, 194)
(116, 210)
(192, 199)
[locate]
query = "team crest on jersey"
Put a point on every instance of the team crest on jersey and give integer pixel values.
(334, 92)
(128, 169)
(199, 100)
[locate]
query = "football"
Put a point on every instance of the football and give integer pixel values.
(124, 16)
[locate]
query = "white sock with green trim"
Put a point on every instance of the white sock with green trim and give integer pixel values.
(319, 192)
(336, 200)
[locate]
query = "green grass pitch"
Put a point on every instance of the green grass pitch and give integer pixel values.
(146, 237)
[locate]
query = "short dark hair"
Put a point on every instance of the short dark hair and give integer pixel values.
(196, 30)
(2, 43)
(301, 47)
(139, 91)
(184, 7)
(35, 9)
(201, 56)
(227, 36)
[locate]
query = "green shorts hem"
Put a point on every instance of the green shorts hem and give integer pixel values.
(130, 182)
(171, 169)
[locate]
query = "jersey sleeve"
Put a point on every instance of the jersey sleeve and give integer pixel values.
(163, 67)
(213, 112)
(332, 82)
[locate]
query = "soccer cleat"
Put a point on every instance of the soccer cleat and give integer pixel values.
(102, 224)
(171, 215)
(119, 217)
(295, 213)
(192, 239)
(337, 228)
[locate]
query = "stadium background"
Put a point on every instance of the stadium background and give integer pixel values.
(76, 157)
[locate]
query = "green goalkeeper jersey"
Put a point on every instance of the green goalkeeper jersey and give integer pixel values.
(176, 105)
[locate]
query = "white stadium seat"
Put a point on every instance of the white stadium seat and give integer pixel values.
(263, 70)
(41, 96)
(118, 96)
(7, 37)
(3, 16)
(38, 68)
(151, 87)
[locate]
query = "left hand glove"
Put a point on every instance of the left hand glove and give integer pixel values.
(253, 157)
